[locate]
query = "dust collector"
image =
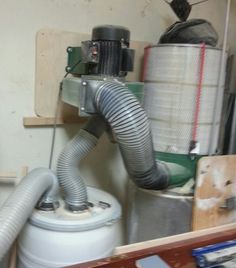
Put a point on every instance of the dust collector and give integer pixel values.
(183, 101)
(67, 228)
(84, 217)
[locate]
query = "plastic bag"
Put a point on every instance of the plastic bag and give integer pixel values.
(194, 31)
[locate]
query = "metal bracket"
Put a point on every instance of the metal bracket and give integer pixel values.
(74, 55)
(90, 52)
(229, 203)
(88, 89)
(80, 92)
(89, 86)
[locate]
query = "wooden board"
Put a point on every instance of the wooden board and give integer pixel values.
(216, 181)
(49, 121)
(8, 177)
(174, 250)
(51, 60)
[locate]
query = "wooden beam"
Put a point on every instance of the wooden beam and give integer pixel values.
(8, 174)
(24, 171)
(49, 121)
(13, 256)
(175, 250)
(8, 177)
(8, 180)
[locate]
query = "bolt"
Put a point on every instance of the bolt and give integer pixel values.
(69, 49)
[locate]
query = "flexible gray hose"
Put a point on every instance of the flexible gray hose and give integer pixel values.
(69, 176)
(130, 125)
(19, 205)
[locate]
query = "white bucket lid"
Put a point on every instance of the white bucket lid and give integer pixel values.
(105, 211)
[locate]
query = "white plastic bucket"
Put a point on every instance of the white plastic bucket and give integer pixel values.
(62, 238)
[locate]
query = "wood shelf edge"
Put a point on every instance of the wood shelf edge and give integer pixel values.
(231, 227)
(34, 121)
(176, 251)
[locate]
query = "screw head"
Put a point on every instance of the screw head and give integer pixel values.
(69, 49)
(84, 83)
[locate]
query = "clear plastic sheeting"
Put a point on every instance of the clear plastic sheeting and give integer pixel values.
(193, 31)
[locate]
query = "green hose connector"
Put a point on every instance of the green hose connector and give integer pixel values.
(181, 167)
(137, 88)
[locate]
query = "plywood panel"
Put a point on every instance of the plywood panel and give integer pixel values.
(51, 60)
(216, 182)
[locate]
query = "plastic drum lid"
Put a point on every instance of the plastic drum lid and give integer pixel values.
(105, 211)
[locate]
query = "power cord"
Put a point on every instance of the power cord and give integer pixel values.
(199, 2)
(57, 113)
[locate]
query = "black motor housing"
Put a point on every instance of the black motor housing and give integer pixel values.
(108, 52)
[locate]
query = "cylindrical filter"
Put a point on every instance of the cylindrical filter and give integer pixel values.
(155, 214)
(171, 83)
(60, 238)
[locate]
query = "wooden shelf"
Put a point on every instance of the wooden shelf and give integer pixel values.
(174, 250)
(35, 121)
(10, 177)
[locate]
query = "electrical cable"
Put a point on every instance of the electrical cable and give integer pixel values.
(199, 2)
(193, 142)
(57, 113)
(199, 92)
(55, 126)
